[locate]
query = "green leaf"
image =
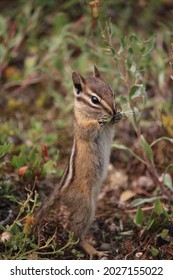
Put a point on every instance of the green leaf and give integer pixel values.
(3, 26)
(30, 63)
(3, 52)
(18, 161)
(48, 167)
(33, 155)
(21, 160)
(122, 45)
(154, 251)
(114, 55)
(167, 180)
(149, 45)
(133, 38)
(164, 233)
(13, 199)
(139, 201)
(138, 90)
(150, 223)
(130, 62)
(37, 162)
(169, 167)
(120, 147)
(50, 138)
(137, 113)
(34, 246)
(122, 99)
(59, 172)
(147, 149)
(5, 148)
(134, 89)
(130, 50)
(60, 21)
(139, 216)
(158, 207)
(2, 228)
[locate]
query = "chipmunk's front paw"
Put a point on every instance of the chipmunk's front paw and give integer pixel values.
(102, 120)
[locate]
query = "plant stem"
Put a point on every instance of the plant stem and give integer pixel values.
(148, 163)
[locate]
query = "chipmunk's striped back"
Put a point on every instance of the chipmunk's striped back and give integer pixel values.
(69, 173)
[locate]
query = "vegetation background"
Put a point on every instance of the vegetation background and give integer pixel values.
(41, 43)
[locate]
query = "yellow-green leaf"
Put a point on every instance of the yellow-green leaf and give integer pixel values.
(147, 149)
(139, 216)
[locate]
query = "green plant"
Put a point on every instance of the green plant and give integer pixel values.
(5, 149)
(33, 163)
(157, 224)
(131, 61)
(16, 240)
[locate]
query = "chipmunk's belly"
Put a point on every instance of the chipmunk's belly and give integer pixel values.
(104, 150)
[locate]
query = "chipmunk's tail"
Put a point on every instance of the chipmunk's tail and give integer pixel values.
(41, 216)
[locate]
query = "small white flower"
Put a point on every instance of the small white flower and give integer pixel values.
(5, 236)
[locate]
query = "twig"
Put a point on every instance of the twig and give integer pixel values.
(24, 205)
(29, 81)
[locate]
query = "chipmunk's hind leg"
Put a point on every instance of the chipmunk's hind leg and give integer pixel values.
(81, 218)
(80, 222)
(43, 214)
(89, 249)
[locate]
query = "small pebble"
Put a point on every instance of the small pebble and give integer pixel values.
(138, 255)
(105, 247)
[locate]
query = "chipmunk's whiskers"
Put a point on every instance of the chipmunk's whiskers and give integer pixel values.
(127, 112)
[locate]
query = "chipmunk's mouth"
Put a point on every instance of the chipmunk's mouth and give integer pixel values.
(117, 116)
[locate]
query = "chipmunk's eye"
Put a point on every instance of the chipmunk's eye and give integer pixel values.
(95, 100)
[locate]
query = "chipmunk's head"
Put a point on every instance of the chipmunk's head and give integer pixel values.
(93, 97)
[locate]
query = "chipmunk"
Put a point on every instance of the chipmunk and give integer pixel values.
(95, 115)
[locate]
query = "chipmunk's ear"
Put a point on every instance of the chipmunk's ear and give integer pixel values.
(97, 72)
(79, 83)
